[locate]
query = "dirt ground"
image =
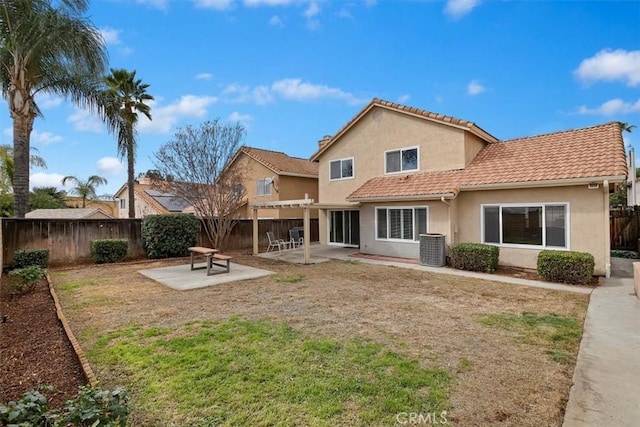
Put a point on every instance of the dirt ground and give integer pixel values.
(34, 349)
(428, 316)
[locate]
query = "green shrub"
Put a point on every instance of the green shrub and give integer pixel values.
(96, 407)
(566, 266)
(109, 250)
(475, 257)
(30, 410)
(23, 280)
(28, 257)
(165, 236)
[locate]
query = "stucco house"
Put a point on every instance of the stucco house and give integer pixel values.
(394, 172)
(149, 200)
(70, 213)
(272, 176)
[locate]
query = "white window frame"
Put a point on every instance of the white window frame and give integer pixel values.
(123, 204)
(416, 236)
(342, 178)
(416, 147)
(567, 229)
(266, 184)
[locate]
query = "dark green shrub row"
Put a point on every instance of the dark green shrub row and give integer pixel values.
(109, 250)
(90, 407)
(28, 257)
(475, 257)
(165, 236)
(566, 266)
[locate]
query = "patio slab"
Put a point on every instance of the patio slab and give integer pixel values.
(181, 277)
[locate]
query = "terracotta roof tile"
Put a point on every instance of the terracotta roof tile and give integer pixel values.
(281, 163)
(592, 152)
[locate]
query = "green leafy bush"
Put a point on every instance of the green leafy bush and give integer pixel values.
(28, 257)
(22, 280)
(165, 236)
(566, 266)
(475, 257)
(90, 407)
(109, 250)
(30, 410)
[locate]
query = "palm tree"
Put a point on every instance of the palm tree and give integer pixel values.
(46, 46)
(127, 96)
(7, 166)
(85, 189)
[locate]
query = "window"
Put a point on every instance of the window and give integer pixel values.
(544, 225)
(404, 160)
(406, 223)
(341, 169)
(123, 203)
(264, 187)
(237, 190)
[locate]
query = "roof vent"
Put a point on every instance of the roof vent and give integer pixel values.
(593, 186)
(324, 141)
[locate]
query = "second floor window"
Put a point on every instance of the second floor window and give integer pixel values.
(123, 203)
(341, 169)
(263, 187)
(403, 160)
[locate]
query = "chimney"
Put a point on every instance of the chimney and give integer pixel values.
(144, 179)
(324, 141)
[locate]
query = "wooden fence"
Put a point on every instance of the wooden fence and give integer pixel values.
(624, 228)
(69, 241)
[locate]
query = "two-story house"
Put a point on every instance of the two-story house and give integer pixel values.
(394, 172)
(272, 176)
(149, 200)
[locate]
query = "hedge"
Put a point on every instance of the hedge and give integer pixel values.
(165, 236)
(566, 266)
(109, 250)
(31, 257)
(475, 257)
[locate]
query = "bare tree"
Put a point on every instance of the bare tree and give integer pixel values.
(196, 159)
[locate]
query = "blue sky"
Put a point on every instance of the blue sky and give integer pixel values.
(295, 70)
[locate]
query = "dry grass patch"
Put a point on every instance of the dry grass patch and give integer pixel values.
(497, 377)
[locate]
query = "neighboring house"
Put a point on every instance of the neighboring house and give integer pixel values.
(394, 172)
(108, 206)
(72, 213)
(148, 200)
(272, 176)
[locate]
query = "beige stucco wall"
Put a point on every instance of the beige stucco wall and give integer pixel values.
(442, 147)
(142, 208)
(588, 220)
(472, 146)
(294, 188)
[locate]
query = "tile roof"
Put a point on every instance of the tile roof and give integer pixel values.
(447, 120)
(72, 213)
(592, 152)
(281, 163)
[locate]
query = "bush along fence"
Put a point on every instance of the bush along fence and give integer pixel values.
(69, 241)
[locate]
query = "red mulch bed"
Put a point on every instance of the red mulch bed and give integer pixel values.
(34, 349)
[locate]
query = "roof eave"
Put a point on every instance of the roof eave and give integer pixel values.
(298, 175)
(392, 198)
(543, 183)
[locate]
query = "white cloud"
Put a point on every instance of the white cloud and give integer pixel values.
(204, 76)
(612, 107)
(458, 8)
(269, 2)
(611, 65)
(240, 94)
(237, 117)
(45, 138)
(158, 4)
(403, 98)
(85, 121)
(110, 36)
(312, 10)
(276, 21)
(165, 118)
(42, 179)
(297, 90)
(214, 4)
(475, 88)
(45, 100)
(110, 165)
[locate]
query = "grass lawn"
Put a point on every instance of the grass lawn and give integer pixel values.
(340, 343)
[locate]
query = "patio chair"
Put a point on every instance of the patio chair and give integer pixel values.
(294, 237)
(275, 243)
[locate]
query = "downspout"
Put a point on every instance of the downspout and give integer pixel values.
(607, 227)
(448, 205)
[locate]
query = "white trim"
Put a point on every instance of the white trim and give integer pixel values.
(267, 184)
(342, 178)
(415, 231)
(567, 226)
(416, 147)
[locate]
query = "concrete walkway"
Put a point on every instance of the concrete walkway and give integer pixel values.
(606, 380)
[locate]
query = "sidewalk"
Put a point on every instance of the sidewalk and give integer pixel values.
(606, 389)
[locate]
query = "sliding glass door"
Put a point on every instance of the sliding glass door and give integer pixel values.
(344, 227)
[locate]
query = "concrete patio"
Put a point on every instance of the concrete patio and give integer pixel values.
(319, 253)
